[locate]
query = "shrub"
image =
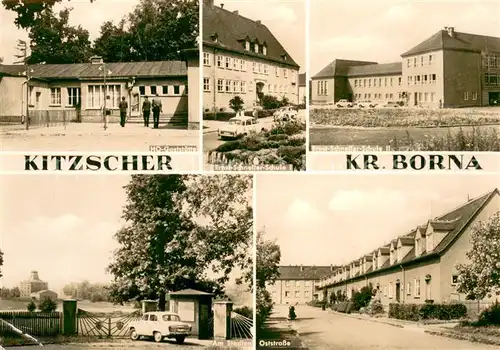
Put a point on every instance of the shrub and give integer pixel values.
(277, 137)
(362, 297)
(415, 312)
(264, 306)
(228, 146)
(291, 313)
(31, 306)
(236, 104)
(490, 316)
(376, 307)
(245, 311)
(344, 307)
(270, 102)
(47, 305)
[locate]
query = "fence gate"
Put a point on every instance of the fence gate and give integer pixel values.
(105, 325)
(241, 326)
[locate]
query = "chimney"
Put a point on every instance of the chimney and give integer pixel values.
(236, 12)
(96, 60)
(258, 22)
(221, 6)
(208, 3)
(451, 31)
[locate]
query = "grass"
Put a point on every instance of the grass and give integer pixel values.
(404, 117)
(481, 138)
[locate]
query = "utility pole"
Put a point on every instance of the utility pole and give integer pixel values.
(105, 112)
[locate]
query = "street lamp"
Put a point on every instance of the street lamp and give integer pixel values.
(28, 77)
(105, 111)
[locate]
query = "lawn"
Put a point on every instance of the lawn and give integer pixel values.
(100, 307)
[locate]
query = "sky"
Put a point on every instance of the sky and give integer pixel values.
(284, 18)
(324, 219)
(382, 30)
(89, 15)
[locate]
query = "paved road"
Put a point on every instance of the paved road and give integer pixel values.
(92, 137)
(211, 141)
(326, 330)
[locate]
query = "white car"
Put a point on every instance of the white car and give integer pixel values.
(160, 325)
(343, 104)
(240, 126)
(284, 114)
(366, 104)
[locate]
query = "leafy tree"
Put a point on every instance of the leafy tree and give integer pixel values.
(362, 297)
(481, 277)
(47, 305)
(163, 246)
(114, 43)
(236, 104)
(85, 290)
(6, 293)
(31, 306)
(341, 296)
(1, 262)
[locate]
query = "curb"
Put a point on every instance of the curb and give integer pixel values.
(470, 338)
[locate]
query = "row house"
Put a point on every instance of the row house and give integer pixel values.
(448, 69)
(241, 57)
(419, 265)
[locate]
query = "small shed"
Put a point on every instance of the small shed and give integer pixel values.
(44, 294)
(194, 307)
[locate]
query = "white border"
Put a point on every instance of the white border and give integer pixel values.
(307, 43)
(200, 83)
(254, 267)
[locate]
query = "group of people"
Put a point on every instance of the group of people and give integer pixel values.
(147, 107)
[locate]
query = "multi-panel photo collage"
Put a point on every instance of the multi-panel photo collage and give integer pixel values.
(250, 174)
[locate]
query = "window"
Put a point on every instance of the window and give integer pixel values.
(177, 89)
(74, 96)
(433, 78)
(285, 73)
(417, 79)
(219, 61)
(374, 82)
(247, 45)
(228, 63)
(287, 283)
(410, 80)
(414, 62)
(369, 82)
(265, 69)
(235, 86)
(466, 96)
(275, 88)
(380, 81)
(297, 283)
(256, 48)
(399, 81)
(55, 96)
(153, 318)
(142, 90)
(269, 88)
(276, 71)
(474, 96)
(206, 59)
(152, 89)
(235, 64)
(433, 96)
(408, 288)
(426, 96)
(425, 79)
(421, 61)
(287, 294)
(408, 63)
(220, 85)
(165, 89)
(30, 95)
(206, 84)
(264, 50)
(454, 280)
(385, 81)
(297, 294)
(250, 86)
(417, 287)
(243, 86)
(228, 85)
(306, 294)
(145, 317)
(430, 60)
(243, 65)
(95, 96)
(490, 79)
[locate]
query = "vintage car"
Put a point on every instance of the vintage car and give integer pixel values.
(366, 104)
(284, 114)
(343, 104)
(160, 325)
(240, 126)
(392, 104)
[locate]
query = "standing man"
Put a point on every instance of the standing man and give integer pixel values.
(123, 111)
(157, 108)
(146, 109)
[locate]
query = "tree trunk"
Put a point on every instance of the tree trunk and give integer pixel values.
(161, 302)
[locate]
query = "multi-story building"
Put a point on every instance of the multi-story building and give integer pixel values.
(33, 285)
(302, 88)
(449, 69)
(419, 265)
(298, 284)
(241, 57)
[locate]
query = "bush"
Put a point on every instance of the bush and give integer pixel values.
(277, 137)
(31, 306)
(362, 298)
(228, 146)
(415, 312)
(490, 316)
(344, 307)
(376, 307)
(316, 303)
(264, 306)
(47, 305)
(245, 311)
(270, 102)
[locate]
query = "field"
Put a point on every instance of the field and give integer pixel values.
(407, 129)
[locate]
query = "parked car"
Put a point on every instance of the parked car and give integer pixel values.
(391, 104)
(284, 114)
(241, 126)
(366, 104)
(343, 104)
(160, 325)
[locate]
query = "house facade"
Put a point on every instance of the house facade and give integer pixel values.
(33, 285)
(420, 265)
(449, 69)
(80, 90)
(44, 294)
(297, 284)
(241, 57)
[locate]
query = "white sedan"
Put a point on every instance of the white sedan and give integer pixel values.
(160, 325)
(343, 104)
(366, 104)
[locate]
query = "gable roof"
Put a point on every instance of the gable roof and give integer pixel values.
(459, 41)
(375, 69)
(339, 68)
(304, 272)
(232, 30)
(12, 70)
(189, 292)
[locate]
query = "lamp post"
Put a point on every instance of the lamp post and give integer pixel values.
(104, 110)
(28, 77)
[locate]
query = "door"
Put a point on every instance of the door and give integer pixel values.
(398, 292)
(38, 98)
(135, 105)
(415, 100)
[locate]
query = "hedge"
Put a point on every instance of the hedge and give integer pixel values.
(417, 312)
(344, 307)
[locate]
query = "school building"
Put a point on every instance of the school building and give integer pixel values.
(419, 265)
(77, 92)
(241, 57)
(449, 69)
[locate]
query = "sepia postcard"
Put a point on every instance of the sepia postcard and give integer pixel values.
(376, 261)
(405, 76)
(99, 76)
(254, 85)
(119, 261)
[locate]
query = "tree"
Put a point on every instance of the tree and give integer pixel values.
(163, 246)
(236, 104)
(481, 277)
(47, 305)
(31, 307)
(114, 43)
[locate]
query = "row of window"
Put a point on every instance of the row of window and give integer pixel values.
(322, 88)
(491, 61)
(470, 95)
(261, 49)
(239, 64)
(239, 86)
(420, 61)
(422, 79)
(165, 90)
(298, 283)
(377, 82)
(492, 79)
(297, 293)
(377, 96)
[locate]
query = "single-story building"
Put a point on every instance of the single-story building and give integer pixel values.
(44, 294)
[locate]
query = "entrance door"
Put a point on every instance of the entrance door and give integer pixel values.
(416, 99)
(135, 105)
(494, 98)
(398, 292)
